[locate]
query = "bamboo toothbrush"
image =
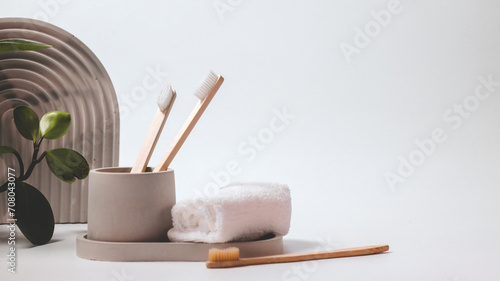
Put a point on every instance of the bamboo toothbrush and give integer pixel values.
(165, 102)
(230, 257)
(210, 86)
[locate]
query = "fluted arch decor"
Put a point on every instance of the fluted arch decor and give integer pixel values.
(66, 77)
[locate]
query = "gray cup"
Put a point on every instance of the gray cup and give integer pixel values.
(125, 207)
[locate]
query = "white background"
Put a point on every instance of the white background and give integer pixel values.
(356, 118)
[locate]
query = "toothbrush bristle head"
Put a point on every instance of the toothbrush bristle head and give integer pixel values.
(165, 97)
(207, 84)
(228, 254)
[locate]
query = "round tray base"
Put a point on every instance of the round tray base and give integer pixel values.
(271, 244)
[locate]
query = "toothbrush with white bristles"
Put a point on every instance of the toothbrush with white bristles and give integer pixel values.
(165, 102)
(208, 89)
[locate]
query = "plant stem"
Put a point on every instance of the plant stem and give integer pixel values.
(21, 164)
(34, 160)
(41, 157)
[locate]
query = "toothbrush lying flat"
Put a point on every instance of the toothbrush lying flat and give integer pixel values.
(205, 93)
(165, 103)
(230, 257)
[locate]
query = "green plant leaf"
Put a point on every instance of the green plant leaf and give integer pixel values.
(9, 45)
(6, 149)
(55, 124)
(26, 122)
(67, 164)
(34, 214)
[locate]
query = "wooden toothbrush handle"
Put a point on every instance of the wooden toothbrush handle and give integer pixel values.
(188, 126)
(359, 251)
(149, 143)
(152, 137)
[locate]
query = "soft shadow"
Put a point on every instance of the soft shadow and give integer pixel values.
(23, 243)
(52, 241)
(293, 246)
(299, 246)
(73, 231)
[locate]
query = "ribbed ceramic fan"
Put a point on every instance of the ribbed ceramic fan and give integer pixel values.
(66, 77)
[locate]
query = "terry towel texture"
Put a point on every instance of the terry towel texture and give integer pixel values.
(237, 212)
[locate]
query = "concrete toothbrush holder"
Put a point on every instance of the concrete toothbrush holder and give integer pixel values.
(125, 207)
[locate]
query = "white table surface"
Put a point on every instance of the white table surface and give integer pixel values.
(430, 258)
(356, 118)
(58, 259)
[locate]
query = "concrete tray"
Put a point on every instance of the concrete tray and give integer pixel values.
(271, 244)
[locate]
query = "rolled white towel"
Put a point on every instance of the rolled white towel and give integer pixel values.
(237, 212)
